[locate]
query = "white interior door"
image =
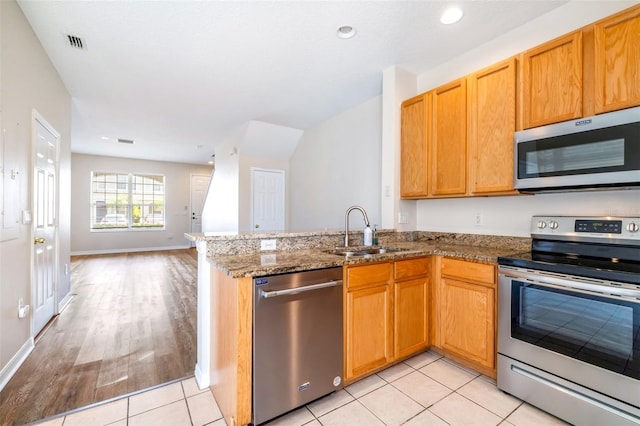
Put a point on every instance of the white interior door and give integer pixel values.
(45, 246)
(267, 187)
(199, 186)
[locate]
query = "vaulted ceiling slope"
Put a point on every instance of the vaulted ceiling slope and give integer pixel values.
(180, 77)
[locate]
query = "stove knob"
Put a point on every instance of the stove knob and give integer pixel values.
(541, 224)
(632, 227)
(553, 224)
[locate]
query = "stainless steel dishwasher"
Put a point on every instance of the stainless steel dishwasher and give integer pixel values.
(297, 340)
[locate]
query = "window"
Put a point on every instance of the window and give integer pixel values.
(127, 201)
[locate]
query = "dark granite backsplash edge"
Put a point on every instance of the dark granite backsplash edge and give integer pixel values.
(250, 243)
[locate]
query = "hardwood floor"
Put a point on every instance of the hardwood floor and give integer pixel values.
(130, 325)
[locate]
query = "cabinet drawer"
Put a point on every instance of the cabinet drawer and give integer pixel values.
(476, 272)
(361, 276)
(411, 268)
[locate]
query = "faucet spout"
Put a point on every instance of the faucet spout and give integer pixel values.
(346, 222)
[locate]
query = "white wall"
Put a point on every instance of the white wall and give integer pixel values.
(511, 215)
(177, 199)
(221, 206)
(336, 165)
(29, 82)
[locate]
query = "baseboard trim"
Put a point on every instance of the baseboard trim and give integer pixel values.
(65, 302)
(201, 379)
(128, 250)
(14, 363)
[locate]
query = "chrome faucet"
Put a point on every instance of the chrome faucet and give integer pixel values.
(346, 222)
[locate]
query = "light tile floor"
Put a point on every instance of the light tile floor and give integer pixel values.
(424, 390)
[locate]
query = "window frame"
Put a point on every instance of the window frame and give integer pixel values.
(135, 198)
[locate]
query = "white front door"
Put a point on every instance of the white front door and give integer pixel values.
(199, 186)
(268, 200)
(45, 245)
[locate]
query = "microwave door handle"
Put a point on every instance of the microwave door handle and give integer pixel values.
(584, 288)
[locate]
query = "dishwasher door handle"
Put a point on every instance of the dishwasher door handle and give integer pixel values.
(268, 294)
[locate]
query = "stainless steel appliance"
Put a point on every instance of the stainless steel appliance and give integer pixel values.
(297, 340)
(602, 151)
(569, 320)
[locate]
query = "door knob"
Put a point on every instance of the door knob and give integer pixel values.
(257, 226)
(38, 241)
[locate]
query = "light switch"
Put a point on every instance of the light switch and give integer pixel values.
(26, 217)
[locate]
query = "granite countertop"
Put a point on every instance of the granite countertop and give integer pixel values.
(278, 262)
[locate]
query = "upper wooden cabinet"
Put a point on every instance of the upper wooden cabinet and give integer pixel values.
(414, 155)
(492, 121)
(617, 61)
(552, 81)
(464, 145)
(449, 139)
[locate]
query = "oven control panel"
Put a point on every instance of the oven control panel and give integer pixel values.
(598, 226)
(599, 229)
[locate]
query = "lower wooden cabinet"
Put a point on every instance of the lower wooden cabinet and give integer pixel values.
(385, 313)
(466, 320)
(369, 330)
(393, 311)
(411, 290)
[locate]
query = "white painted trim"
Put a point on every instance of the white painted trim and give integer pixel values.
(204, 319)
(14, 363)
(65, 302)
(128, 250)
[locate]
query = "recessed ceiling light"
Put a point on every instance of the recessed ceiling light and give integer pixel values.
(451, 15)
(346, 31)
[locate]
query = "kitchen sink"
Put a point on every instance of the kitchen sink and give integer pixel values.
(357, 252)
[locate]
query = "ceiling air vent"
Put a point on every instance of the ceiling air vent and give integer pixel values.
(129, 141)
(75, 41)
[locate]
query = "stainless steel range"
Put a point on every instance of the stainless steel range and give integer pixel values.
(569, 320)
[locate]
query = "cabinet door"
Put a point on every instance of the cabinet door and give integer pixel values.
(552, 81)
(449, 139)
(492, 121)
(617, 61)
(413, 146)
(410, 316)
(467, 326)
(369, 338)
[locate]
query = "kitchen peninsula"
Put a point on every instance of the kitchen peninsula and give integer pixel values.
(457, 265)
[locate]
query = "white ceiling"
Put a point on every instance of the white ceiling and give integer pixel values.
(181, 77)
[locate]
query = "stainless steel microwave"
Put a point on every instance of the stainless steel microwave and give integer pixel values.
(596, 152)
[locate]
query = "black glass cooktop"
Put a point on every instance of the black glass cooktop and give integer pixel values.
(613, 263)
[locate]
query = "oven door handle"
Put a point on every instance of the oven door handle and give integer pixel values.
(577, 286)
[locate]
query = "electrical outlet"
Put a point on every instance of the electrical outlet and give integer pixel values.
(403, 218)
(477, 219)
(267, 244)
